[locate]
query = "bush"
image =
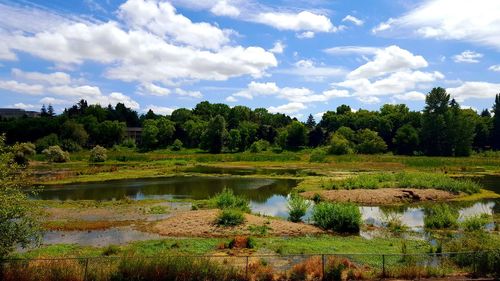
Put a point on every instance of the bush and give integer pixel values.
(441, 216)
(46, 142)
(98, 154)
(318, 155)
(477, 222)
(111, 250)
(297, 207)
(129, 143)
(369, 142)
(227, 200)
(230, 217)
(56, 154)
(339, 145)
(339, 217)
(259, 146)
(70, 145)
(177, 145)
(22, 152)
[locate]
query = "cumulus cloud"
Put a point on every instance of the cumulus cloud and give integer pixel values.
(468, 57)
(154, 90)
(388, 60)
(310, 71)
(353, 20)
(472, 21)
(474, 89)
(19, 87)
(224, 8)
(288, 108)
(55, 78)
(495, 68)
(302, 21)
(411, 96)
(153, 49)
(192, 94)
(159, 109)
(23, 106)
(278, 48)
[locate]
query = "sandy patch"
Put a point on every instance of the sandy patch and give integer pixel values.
(201, 224)
(382, 195)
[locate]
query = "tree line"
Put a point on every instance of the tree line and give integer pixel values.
(443, 128)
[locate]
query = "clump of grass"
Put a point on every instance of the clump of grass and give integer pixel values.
(420, 180)
(297, 207)
(339, 217)
(158, 210)
(394, 223)
(441, 216)
(230, 217)
(111, 250)
(261, 230)
(228, 200)
(476, 223)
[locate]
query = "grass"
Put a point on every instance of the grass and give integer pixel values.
(421, 180)
(227, 200)
(441, 216)
(339, 217)
(476, 223)
(297, 207)
(230, 217)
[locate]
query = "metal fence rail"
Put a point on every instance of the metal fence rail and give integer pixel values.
(256, 267)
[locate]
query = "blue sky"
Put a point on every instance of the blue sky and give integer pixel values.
(295, 57)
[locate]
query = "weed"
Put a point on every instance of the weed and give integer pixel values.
(230, 217)
(297, 207)
(227, 200)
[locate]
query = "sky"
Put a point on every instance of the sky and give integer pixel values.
(295, 57)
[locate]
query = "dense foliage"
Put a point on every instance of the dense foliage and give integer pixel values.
(442, 128)
(18, 223)
(339, 217)
(297, 207)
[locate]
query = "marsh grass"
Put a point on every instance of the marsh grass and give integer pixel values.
(297, 207)
(228, 200)
(441, 216)
(230, 217)
(476, 223)
(419, 180)
(339, 217)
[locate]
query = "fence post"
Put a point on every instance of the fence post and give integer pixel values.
(323, 266)
(246, 268)
(383, 266)
(86, 267)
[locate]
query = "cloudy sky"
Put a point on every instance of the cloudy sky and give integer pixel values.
(295, 57)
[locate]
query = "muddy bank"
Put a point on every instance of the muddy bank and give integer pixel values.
(382, 196)
(201, 224)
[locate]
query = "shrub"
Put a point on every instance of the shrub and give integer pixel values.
(259, 146)
(441, 216)
(369, 142)
(129, 143)
(111, 250)
(46, 142)
(317, 198)
(56, 154)
(98, 154)
(339, 217)
(227, 200)
(477, 222)
(177, 145)
(230, 217)
(70, 145)
(297, 207)
(339, 145)
(22, 152)
(318, 155)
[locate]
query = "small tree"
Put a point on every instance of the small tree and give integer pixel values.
(297, 207)
(406, 140)
(22, 152)
(369, 142)
(177, 145)
(339, 145)
(98, 154)
(46, 142)
(56, 154)
(18, 216)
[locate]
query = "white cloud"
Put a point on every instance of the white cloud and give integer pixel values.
(289, 108)
(308, 70)
(388, 60)
(53, 101)
(368, 99)
(495, 68)
(152, 89)
(278, 48)
(472, 21)
(468, 57)
(56, 78)
(24, 106)
(162, 19)
(348, 50)
(411, 96)
(224, 8)
(159, 109)
(231, 99)
(140, 55)
(474, 89)
(305, 35)
(469, 107)
(192, 94)
(303, 21)
(353, 19)
(318, 116)
(19, 87)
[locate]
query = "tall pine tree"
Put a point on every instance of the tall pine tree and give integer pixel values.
(495, 134)
(434, 133)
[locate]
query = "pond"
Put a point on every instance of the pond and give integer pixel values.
(267, 196)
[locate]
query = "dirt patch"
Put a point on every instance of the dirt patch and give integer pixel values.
(201, 224)
(383, 195)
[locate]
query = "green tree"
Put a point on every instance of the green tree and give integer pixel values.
(296, 135)
(461, 129)
(234, 140)
(194, 130)
(74, 133)
(215, 134)
(339, 145)
(149, 134)
(177, 145)
(369, 142)
(406, 140)
(18, 216)
(56, 154)
(495, 134)
(310, 123)
(166, 131)
(434, 128)
(110, 133)
(22, 152)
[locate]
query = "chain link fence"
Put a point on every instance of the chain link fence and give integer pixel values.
(256, 267)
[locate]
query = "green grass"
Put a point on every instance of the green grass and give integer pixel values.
(419, 180)
(339, 217)
(477, 222)
(230, 217)
(227, 200)
(441, 216)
